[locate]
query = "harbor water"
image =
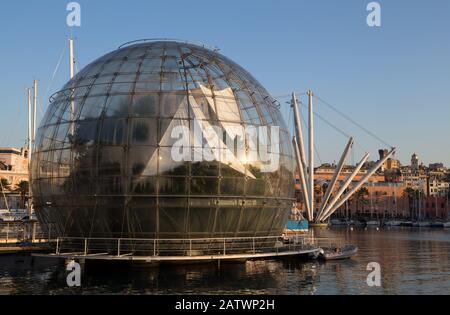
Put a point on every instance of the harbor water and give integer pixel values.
(413, 261)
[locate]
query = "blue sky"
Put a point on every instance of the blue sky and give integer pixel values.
(394, 80)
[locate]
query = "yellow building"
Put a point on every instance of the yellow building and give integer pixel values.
(14, 165)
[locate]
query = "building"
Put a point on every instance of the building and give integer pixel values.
(383, 200)
(114, 173)
(391, 163)
(434, 207)
(437, 187)
(393, 192)
(415, 163)
(437, 167)
(326, 171)
(14, 166)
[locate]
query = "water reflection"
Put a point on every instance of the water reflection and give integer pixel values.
(412, 261)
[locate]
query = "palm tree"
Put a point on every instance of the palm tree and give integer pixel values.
(23, 188)
(4, 185)
(361, 198)
(411, 195)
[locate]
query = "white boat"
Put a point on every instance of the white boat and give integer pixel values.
(373, 223)
(393, 223)
(437, 224)
(447, 225)
(339, 222)
(335, 253)
(14, 215)
(422, 224)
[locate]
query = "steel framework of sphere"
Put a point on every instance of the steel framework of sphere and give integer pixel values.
(103, 164)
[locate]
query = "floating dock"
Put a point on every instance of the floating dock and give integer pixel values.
(155, 251)
(24, 248)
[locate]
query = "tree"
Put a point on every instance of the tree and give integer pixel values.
(411, 194)
(4, 186)
(361, 198)
(23, 189)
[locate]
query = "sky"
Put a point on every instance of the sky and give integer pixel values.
(394, 79)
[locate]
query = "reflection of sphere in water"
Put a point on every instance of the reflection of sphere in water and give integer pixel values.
(104, 163)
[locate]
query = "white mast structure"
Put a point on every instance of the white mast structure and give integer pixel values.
(72, 74)
(299, 149)
(311, 154)
(330, 204)
(30, 141)
(32, 106)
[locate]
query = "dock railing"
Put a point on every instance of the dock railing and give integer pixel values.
(19, 232)
(121, 247)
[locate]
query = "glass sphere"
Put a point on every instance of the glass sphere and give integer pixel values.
(104, 162)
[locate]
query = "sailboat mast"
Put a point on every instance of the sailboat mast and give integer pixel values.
(30, 136)
(71, 58)
(311, 153)
(71, 73)
(33, 138)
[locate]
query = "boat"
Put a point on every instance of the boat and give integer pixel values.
(437, 224)
(319, 225)
(297, 227)
(336, 253)
(422, 224)
(447, 225)
(373, 223)
(337, 222)
(394, 223)
(13, 215)
(407, 223)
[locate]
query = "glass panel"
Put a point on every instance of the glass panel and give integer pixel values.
(144, 131)
(201, 220)
(146, 106)
(204, 186)
(232, 186)
(117, 105)
(172, 186)
(255, 187)
(110, 160)
(92, 107)
(167, 166)
(172, 217)
(143, 161)
(144, 185)
(113, 131)
(227, 221)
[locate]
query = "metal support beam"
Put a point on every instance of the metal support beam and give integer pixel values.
(343, 188)
(302, 177)
(333, 181)
(299, 131)
(361, 183)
